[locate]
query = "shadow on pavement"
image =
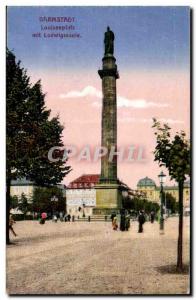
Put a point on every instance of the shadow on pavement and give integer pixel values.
(171, 269)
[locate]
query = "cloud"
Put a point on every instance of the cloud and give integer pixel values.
(143, 120)
(87, 91)
(138, 103)
(121, 101)
(171, 121)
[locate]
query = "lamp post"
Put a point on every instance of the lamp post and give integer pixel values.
(161, 180)
(125, 195)
(165, 206)
(53, 200)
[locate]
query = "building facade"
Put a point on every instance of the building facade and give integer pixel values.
(81, 195)
(22, 186)
(26, 187)
(152, 192)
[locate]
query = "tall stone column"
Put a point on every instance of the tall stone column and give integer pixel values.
(109, 74)
(108, 195)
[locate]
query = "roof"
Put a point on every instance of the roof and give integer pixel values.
(89, 181)
(85, 181)
(146, 182)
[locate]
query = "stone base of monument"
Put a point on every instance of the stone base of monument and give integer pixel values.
(108, 199)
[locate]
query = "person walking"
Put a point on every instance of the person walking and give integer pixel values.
(127, 222)
(141, 220)
(61, 216)
(43, 218)
(55, 219)
(11, 223)
(113, 215)
(122, 220)
(114, 223)
(152, 216)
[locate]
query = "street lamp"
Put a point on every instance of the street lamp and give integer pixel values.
(54, 199)
(161, 180)
(125, 195)
(165, 205)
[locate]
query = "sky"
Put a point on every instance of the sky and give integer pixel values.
(151, 48)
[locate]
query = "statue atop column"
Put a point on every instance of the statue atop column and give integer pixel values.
(109, 42)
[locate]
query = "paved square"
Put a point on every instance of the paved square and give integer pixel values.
(91, 258)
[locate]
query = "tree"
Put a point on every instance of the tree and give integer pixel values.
(44, 133)
(41, 200)
(30, 134)
(137, 203)
(13, 202)
(17, 90)
(24, 205)
(174, 154)
(171, 202)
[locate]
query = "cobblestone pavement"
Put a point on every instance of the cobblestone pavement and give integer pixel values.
(90, 258)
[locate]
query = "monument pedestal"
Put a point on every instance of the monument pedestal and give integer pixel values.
(108, 198)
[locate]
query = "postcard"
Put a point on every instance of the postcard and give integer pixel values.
(98, 110)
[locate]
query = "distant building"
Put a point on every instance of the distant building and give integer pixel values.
(81, 195)
(152, 192)
(148, 187)
(26, 187)
(22, 186)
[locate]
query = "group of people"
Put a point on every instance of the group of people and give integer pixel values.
(62, 218)
(122, 220)
(119, 221)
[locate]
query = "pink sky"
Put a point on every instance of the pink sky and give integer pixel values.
(141, 96)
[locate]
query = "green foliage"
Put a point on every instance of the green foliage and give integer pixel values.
(42, 199)
(13, 202)
(17, 89)
(24, 205)
(138, 203)
(19, 217)
(171, 202)
(31, 132)
(174, 154)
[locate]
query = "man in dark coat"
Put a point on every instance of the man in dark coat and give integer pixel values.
(152, 216)
(141, 220)
(122, 220)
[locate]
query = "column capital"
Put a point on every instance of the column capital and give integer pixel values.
(108, 72)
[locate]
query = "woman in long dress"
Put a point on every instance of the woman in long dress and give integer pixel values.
(114, 223)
